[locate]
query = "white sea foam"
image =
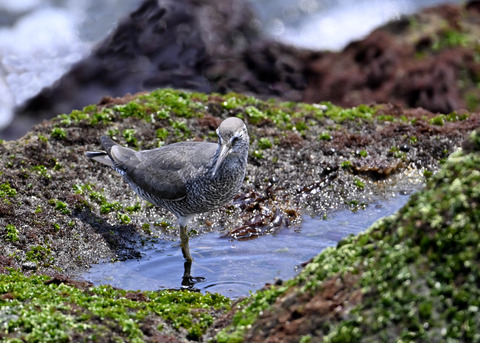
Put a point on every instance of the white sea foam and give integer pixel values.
(331, 25)
(45, 38)
(19, 6)
(38, 49)
(335, 28)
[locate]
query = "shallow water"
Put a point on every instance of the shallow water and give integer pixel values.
(234, 268)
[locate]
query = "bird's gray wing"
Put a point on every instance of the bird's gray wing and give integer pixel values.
(164, 172)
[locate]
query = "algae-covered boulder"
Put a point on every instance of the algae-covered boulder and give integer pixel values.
(414, 276)
(59, 213)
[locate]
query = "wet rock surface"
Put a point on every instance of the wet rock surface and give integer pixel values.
(427, 60)
(60, 212)
(397, 280)
(68, 212)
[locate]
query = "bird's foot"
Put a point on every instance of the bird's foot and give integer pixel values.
(189, 281)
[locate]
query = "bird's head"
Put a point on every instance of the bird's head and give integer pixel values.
(232, 139)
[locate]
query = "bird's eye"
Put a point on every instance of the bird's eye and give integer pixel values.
(234, 139)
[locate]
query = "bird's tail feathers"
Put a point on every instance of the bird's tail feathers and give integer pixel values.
(107, 143)
(114, 155)
(100, 156)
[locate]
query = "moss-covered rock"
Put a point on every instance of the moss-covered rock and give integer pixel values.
(59, 212)
(43, 309)
(414, 276)
(68, 213)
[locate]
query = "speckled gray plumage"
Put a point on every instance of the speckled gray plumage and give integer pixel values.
(185, 178)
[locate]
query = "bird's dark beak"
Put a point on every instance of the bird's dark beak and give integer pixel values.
(223, 153)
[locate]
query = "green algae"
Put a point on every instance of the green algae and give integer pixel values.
(41, 170)
(325, 136)
(359, 183)
(452, 38)
(124, 218)
(7, 191)
(58, 133)
(11, 233)
(248, 311)
(108, 207)
(35, 309)
(40, 254)
(165, 104)
(418, 271)
(397, 153)
(129, 135)
(59, 206)
(346, 164)
(362, 153)
(162, 133)
(264, 143)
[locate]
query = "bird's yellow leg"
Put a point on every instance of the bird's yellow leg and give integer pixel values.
(184, 243)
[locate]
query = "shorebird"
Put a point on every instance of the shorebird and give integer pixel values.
(186, 178)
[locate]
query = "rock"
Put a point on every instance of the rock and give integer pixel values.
(417, 61)
(414, 274)
(426, 60)
(29, 265)
(59, 214)
(166, 43)
(73, 214)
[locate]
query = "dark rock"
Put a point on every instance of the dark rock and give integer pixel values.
(426, 60)
(29, 265)
(166, 43)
